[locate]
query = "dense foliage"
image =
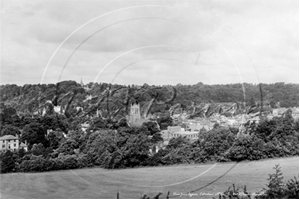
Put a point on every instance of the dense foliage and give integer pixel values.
(50, 117)
(28, 98)
(115, 145)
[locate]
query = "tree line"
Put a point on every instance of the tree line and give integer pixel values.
(114, 145)
(28, 98)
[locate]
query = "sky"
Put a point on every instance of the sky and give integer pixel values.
(154, 42)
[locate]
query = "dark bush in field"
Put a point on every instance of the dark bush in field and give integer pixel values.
(7, 163)
(246, 148)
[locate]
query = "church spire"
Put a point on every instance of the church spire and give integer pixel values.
(81, 82)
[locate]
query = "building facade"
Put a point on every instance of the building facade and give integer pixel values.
(177, 131)
(12, 143)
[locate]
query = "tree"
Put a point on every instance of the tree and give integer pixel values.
(275, 186)
(97, 123)
(9, 112)
(150, 128)
(34, 133)
(55, 139)
(246, 148)
(157, 138)
(177, 143)
(213, 144)
(38, 149)
(9, 116)
(10, 130)
(164, 122)
(67, 147)
(292, 188)
(7, 163)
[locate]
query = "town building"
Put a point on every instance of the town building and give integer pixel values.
(198, 124)
(295, 113)
(168, 134)
(191, 135)
(177, 131)
(84, 126)
(279, 111)
(12, 143)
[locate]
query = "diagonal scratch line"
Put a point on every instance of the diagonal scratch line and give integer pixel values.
(88, 182)
(198, 189)
(215, 179)
(169, 185)
(82, 178)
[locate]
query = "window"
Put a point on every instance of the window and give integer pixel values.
(14, 145)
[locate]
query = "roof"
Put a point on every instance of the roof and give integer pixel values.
(173, 127)
(85, 125)
(164, 131)
(23, 145)
(8, 137)
(186, 132)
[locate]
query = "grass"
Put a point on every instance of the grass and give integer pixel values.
(133, 183)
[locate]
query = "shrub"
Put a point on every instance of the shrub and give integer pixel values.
(7, 162)
(70, 162)
(275, 186)
(292, 188)
(246, 148)
(277, 189)
(213, 144)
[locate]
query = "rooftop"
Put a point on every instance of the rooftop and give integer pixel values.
(186, 132)
(8, 137)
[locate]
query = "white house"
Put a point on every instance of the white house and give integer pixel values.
(176, 131)
(12, 143)
(191, 135)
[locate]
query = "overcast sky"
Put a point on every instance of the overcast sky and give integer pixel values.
(154, 42)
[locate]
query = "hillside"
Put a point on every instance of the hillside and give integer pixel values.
(29, 98)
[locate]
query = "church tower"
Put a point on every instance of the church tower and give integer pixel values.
(135, 113)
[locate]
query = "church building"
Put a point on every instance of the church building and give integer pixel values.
(135, 118)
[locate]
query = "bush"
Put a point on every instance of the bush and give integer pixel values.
(277, 189)
(36, 163)
(70, 162)
(292, 188)
(7, 162)
(246, 148)
(275, 186)
(212, 145)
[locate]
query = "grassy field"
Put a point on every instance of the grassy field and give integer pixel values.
(133, 183)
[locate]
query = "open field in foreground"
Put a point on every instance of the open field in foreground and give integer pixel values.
(133, 183)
